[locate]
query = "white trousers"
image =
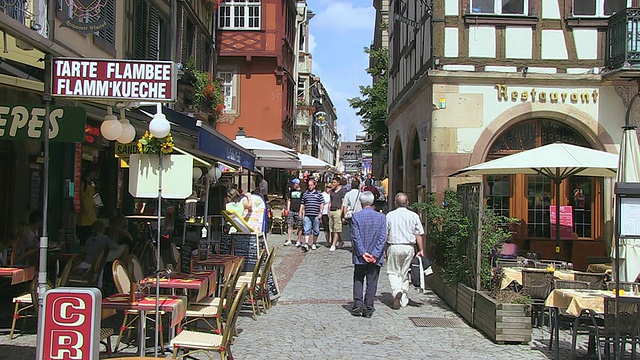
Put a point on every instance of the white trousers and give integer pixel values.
(398, 264)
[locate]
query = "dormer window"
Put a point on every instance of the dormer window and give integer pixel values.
(597, 8)
(500, 7)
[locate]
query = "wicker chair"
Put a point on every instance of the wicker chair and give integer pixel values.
(595, 280)
(123, 283)
(251, 280)
(63, 280)
(508, 263)
(263, 280)
(195, 341)
(175, 256)
(624, 285)
(629, 325)
(537, 284)
(277, 220)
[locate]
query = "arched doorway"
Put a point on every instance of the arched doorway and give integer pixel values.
(528, 197)
(398, 168)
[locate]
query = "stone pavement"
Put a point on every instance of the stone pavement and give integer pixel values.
(311, 320)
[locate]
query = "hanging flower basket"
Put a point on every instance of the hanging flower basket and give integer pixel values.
(211, 4)
(149, 144)
(177, 176)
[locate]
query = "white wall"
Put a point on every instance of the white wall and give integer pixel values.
(482, 41)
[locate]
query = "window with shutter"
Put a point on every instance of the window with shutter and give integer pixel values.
(150, 33)
(108, 13)
(139, 31)
(154, 35)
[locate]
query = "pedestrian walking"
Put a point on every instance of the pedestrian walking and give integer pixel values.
(326, 195)
(369, 234)
(311, 213)
(335, 211)
(404, 232)
(294, 221)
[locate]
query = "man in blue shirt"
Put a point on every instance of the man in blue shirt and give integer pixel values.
(311, 213)
(369, 236)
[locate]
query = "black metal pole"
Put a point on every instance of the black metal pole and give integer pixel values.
(557, 181)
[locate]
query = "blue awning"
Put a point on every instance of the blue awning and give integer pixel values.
(209, 141)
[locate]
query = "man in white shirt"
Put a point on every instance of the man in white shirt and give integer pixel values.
(263, 185)
(404, 231)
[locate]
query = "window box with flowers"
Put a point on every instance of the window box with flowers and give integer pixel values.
(208, 96)
(303, 106)
(211, 4)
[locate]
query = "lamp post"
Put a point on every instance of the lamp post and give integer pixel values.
(160, 128)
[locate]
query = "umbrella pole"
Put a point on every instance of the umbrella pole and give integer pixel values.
(557, 182)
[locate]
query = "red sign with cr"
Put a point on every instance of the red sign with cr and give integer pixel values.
(69, 325)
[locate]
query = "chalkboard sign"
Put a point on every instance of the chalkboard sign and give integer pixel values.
(35, 192)
(185, 257)
(203, 249)
(249, 246)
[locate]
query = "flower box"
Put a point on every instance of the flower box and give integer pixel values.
(177, 176)
(500, 322)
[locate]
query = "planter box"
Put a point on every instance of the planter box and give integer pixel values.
(502, 323)
(177, 176)
(465, 301)
(447, 292)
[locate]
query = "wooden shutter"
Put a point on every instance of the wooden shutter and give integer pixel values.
(139, 30)
(154, 34)
(108, 13)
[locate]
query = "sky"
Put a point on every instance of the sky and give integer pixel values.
(339, 32)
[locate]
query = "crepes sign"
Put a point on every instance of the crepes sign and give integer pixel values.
(127, 80)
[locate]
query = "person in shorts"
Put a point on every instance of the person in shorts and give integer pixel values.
(311, 213)
(335, 211)
(294, 221)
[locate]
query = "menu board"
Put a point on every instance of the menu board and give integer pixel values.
(185, 257)
(35, 192)
(249, 246)
(629, 225)
(566, 222)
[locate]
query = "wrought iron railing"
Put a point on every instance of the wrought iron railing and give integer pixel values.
(623, 40)
(20, 10)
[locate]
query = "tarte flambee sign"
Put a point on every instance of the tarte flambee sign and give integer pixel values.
(124, 80)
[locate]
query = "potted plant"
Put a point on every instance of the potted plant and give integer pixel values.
(208, 95)
(211, 4)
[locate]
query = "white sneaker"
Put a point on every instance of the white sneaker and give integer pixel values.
(298, 244)
(288, 243)
(313, 247)
(332, 248)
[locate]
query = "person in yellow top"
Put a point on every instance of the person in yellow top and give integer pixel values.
(87, 215)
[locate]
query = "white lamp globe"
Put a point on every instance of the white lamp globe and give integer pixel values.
(110, 127)
(128, 132)
(159, 125)
(197, 173)
(215, 173)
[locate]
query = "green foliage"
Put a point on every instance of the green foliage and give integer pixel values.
(208, 92)
(495, 230)
(371, 106)
(447, 230)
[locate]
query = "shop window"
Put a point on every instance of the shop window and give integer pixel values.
(239, 15)
(529, 197)
(500, 7)
(499, 194)
(597, 8)
(538, 202)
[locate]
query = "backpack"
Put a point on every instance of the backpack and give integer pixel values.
(420, 269)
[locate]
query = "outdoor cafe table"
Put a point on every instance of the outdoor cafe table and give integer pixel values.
(18, 274)
(175, 305)
(600, 268)
(511, 274)
(221, 262)
(203, 283)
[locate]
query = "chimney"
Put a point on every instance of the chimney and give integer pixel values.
(241, 134)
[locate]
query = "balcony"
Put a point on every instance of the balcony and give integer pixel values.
(623, 45)
(19, 10)
(304, 63)
(303, 118)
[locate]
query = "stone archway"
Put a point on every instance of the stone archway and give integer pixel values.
(398, 168)
(413, 167)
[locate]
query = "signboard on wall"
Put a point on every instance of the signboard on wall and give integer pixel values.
(566, 222)
(126, 80)
(26, 122)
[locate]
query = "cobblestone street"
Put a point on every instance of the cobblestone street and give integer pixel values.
(311, 321)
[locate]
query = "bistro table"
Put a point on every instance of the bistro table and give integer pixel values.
(514, 274)
(18, 274)
(203, 283)
(176, 305)
(223, 263)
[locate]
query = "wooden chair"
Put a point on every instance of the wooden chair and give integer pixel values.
(204, 342)
(91, 276)
(595, 280)
(124, 285)
(135, 268)
(215, 307)
(251, 280)
(263, 280)
(24, 306)
(175, 256)
(537, 284)
(63, 280)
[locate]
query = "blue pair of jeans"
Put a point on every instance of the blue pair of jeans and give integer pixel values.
(311, 223)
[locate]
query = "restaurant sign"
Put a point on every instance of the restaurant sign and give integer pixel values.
(26, 122)
(70, 328)
(126, 80)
